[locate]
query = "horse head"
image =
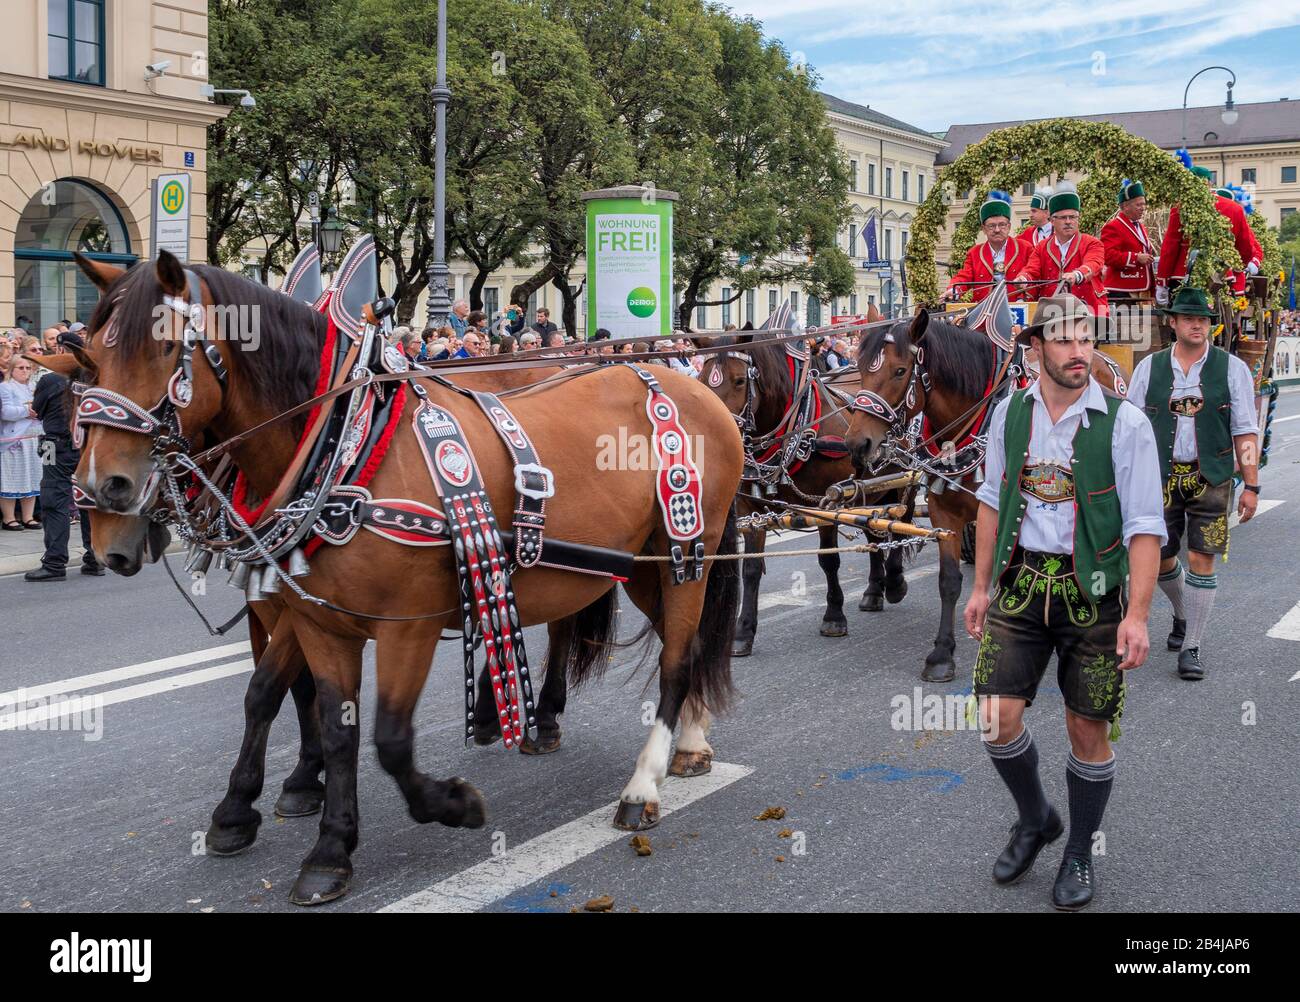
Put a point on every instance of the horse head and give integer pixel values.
(886, 365)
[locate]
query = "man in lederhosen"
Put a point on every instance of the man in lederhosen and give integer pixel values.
(1201, 403)
(1069, 505)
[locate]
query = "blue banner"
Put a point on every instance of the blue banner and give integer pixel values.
(869, 229)
(1291, 285)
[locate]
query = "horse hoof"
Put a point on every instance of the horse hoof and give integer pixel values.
(896, 593)
(229, 841)
(833, 629)
(318, 884)
(484, 736)
(468, 804)
(691, 764)
(742, 648)
(544, 745)
(636, 817)
(941, 671)
(299, 803)
(871, 603)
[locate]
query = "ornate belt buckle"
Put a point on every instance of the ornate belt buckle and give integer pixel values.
(537, 494)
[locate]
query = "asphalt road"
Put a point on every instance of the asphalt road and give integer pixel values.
(1203, 816)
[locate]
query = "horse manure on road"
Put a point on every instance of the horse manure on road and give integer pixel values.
(601, 904)
(641, 843)
(771, 814)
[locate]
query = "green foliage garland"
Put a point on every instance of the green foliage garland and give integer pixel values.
(1104, 153)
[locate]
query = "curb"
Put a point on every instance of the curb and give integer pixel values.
(25, 562)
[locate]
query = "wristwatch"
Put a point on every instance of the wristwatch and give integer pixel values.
(1253, 488)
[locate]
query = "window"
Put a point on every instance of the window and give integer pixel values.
(771, 301)
(1248, 175)
(853, 175)
(853, 240)
(871, 179)
(1214, 177)
(871, 300)
(48, 284)
(726, 306)
(905, 177)
(1027, 188)
(814, 311)
(701, 318)
(889, 244)
(902, 250)
(1288, 211)
(853, 304)
(794, 303)
(889, 182)
(492, 301)
(749, 306)
(1288, 175)
(76, 40)
(920, 187)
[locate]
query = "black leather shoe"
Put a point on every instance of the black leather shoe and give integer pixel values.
(94, 570)
(43, 573)
(1189, 664)
(1024, 847)
(1073, 887)
(1177, 635)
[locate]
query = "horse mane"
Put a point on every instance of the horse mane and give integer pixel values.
(291, 334)
(773, 372)
(956, 357)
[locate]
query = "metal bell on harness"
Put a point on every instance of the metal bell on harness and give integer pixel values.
(298, 565)
(192, 557)
(253, 590)
(270, 582)
(239, 577)
(201, 565)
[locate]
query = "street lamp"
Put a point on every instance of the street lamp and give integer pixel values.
(331, 234)
(313, 203)
(1229, 114)
(439, 307)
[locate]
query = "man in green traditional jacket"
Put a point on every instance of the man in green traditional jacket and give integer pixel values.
(1069, 506)
(1201, 402)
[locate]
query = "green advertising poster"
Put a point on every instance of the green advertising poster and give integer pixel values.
(630, 261)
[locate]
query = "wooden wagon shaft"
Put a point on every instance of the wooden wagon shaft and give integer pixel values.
(861, 488)
(814, 520)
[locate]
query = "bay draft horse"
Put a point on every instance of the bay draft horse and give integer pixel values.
(757, 387)
(960, 366)
(694, 620)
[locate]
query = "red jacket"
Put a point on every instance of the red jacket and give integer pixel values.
(1173, 251)
(1045, 268)
(1030, 236)
(1124, 240)
(978, 267)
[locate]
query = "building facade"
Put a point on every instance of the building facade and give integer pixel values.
(1259, 151)
(89, 117)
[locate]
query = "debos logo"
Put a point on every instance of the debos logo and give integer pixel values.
(641, 302)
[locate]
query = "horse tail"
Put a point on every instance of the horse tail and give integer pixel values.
(582, 643)
(709, 673)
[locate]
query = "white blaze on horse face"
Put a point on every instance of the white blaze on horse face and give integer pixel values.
(651, 767)
(89, 485)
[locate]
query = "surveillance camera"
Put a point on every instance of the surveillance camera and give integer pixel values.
(157, 69)
(248, 101)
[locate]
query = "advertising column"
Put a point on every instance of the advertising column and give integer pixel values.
(630, 261)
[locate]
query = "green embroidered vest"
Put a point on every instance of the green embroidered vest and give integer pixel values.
(1100, 558)
(1213, 420)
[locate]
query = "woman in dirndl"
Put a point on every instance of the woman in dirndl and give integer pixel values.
(20, 463)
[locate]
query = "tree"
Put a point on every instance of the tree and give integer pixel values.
(774, 194)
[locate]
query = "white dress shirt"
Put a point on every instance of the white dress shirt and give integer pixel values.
(1049, 528)
(1241, 392)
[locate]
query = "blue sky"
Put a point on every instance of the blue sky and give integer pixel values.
(934, 64)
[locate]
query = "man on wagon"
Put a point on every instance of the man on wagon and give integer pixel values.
(1173, 251)
(1201, 403)
(1069, 505)
(1039, 227)
(1130, 255)
(998, 259)
(1069, 255)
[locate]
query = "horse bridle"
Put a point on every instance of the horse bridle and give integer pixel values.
(161, 422)
(894, 415)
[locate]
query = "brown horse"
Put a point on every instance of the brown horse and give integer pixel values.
(948, 370)
(756, 386)
(694, 620)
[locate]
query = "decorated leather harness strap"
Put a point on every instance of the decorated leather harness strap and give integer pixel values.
(678, 482)
(487, 598)
(534, 483)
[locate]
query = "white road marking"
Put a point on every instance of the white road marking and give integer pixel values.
(21, 719)
(1288, 627)
(1283, 420)
(1263, 506)
(83, 682)
(488, 882)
